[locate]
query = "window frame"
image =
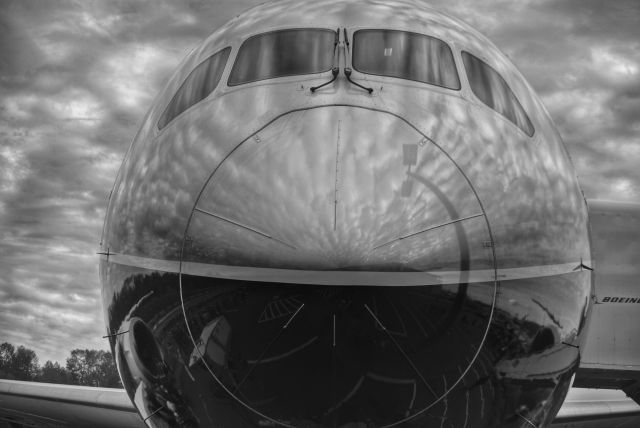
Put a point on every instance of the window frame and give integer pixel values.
(279, 30)
(471, 90)
(184, 82)
(448, 45)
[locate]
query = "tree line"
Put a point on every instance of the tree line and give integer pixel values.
(87, 367)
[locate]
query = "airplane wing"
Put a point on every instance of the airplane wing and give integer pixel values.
(610, 356)
(31, 404)
(597, 408)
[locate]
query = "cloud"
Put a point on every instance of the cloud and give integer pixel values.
(76, 80)
(583, 58)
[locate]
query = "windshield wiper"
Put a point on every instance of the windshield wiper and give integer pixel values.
(347, 64)
(334, 70)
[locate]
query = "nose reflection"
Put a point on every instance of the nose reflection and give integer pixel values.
(323, 189)
(328, 356)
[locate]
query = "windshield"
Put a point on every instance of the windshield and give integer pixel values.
(283, 53)
(405, 55)
(492, 90)
(196, 87)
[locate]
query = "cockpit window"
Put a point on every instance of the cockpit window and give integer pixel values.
(492, 90)
(283, 53)
(197, 86)
(405, 55)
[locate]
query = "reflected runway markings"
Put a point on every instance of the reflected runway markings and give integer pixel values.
(351, 393)
(475, 371)
(418, 323)
(481, 402)
(445, 401)
(265, 350)
(283, 307)
(404, 328)
(466, 410)
(404, 354)
(527, 420)
(334, 330)
(398, 381)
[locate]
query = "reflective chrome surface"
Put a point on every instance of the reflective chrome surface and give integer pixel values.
(277, 257)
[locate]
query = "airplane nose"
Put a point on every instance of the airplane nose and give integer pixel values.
(337, 188)
(325, 261)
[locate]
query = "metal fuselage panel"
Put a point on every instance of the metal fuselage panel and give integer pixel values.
(266, 192)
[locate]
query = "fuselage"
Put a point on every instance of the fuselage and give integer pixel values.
(409, 255)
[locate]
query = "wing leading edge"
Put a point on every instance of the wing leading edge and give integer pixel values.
(597, 408)
(31, 404)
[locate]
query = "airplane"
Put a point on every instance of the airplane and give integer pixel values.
(355, 214)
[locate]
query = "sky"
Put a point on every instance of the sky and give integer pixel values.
(77, 77)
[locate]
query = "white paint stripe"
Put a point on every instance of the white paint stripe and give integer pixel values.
(437, 226)
(293, 276)
(143, 262)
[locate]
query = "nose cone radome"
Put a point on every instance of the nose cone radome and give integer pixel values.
(326, 269)
(338, 188)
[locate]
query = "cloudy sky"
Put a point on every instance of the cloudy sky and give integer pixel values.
(76, 78)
